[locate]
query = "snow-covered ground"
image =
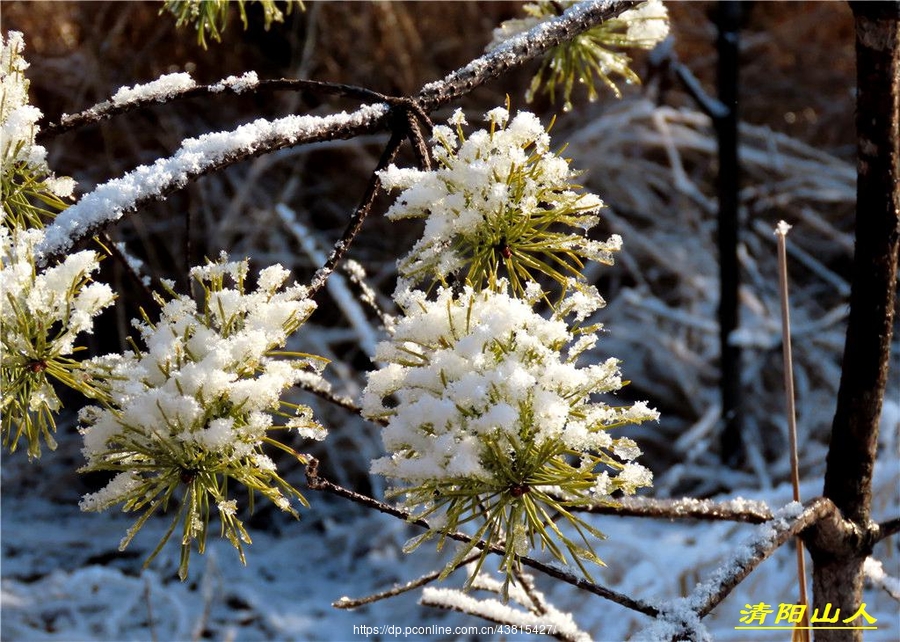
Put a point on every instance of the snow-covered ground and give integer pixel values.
(63, 578)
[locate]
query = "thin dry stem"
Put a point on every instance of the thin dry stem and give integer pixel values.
(801, 633)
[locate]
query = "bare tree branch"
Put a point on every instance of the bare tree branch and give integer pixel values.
(732, 510)
(888, 528)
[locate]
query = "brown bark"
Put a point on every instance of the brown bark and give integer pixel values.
(839, 547)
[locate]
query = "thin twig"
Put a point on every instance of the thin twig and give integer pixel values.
(802, 630)
(340, 401)
(151, 619)
(107, 109)
(110, 246)
(686, 508)
(355, 224)
(538, 603)
(352, 603)
(316, 482)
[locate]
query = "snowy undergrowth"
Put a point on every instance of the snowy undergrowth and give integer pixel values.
(63, 579)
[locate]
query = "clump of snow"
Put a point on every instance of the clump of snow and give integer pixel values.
(160, 90)
(481, 368)
(238, 84)
(202, 398)
(18, 121)
(60, 295)
(493, 187)
(648, 24)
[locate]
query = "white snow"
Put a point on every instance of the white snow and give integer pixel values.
(109, 201)
(159, 90)
(238, 84)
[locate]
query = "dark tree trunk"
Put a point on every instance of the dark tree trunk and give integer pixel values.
(728, 18)
(840, 546)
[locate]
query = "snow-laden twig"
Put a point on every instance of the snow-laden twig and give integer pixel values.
(785, 524)
(196, 157)
(875, 574)
(520, 49)
(732, 510)
(681, 618)
(171, 87)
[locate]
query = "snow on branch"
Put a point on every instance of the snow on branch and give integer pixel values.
(731, 510)
(875, 574)
(198, 156)
(681, 618)
(171, 87)
(520, 49)
(786, 523)
(207, 153)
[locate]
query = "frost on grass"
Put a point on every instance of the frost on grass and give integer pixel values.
(499, 200)
(109, 201)
(491, 418)
(190, 412)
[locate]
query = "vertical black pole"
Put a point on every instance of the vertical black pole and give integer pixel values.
(728, 18)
